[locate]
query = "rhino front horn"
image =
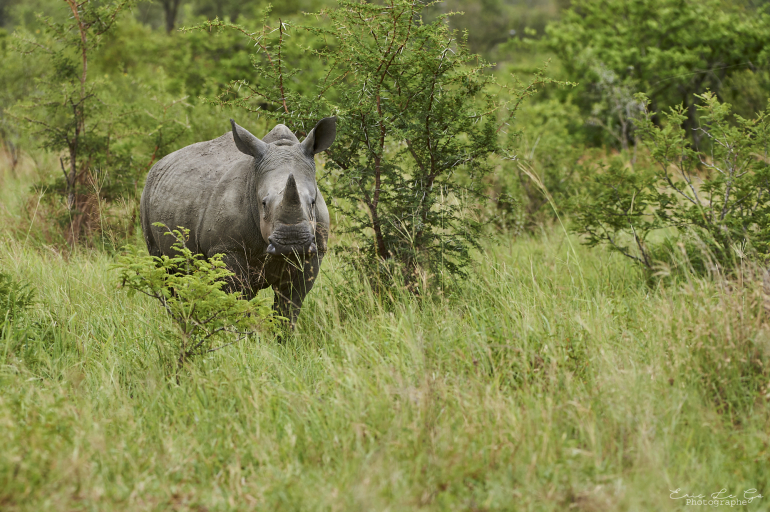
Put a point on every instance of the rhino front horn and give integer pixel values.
(290, 193)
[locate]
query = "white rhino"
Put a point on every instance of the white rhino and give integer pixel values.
(255, 201)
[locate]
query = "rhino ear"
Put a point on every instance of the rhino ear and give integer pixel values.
(321, 137)
(247, 143)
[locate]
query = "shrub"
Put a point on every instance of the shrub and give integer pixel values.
(190, 288)
(670, 49)
(716, 200)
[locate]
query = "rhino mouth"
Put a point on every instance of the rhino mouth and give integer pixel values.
(291, 241)
(285, 250)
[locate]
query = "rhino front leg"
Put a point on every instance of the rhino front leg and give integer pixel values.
(241, 280)
(291, 292)
(287, 304)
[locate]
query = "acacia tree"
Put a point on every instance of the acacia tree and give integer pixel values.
(68, 99)
(78, 115)
(416, 112)
(417, 124)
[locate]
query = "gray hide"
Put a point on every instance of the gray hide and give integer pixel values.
(255, 201)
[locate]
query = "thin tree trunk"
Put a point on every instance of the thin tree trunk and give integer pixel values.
(80, 128)
(171, 7)
(382, 251)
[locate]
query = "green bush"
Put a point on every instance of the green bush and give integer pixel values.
(190, 288)
(671, 50)
(716, 202)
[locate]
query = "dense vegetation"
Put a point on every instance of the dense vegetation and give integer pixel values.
(548, 289)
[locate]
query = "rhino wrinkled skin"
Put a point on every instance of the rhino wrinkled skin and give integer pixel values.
(255, 201)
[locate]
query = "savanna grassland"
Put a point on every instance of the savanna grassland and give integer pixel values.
(555, 377)
(547, 288)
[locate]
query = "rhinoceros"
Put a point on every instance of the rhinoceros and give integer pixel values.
(255, 201)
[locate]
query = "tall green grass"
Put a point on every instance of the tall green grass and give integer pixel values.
(551, 379)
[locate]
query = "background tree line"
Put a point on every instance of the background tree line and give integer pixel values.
(105, 89)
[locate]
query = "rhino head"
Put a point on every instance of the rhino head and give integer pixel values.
(286, 186)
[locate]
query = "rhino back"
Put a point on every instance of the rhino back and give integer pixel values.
(193, 187)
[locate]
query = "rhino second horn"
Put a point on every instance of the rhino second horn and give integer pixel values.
(291, 194)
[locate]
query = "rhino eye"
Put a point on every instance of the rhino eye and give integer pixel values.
(264, 203)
